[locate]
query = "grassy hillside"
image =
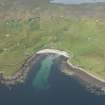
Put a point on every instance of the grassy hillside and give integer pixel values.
(26, 27)
(83, 38)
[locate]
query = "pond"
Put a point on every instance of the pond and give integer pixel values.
(76, 1)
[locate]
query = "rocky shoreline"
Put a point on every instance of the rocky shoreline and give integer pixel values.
(65, 65)
(22, 74)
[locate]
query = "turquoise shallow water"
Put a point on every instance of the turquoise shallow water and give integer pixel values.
(76, 1)
(62, 90)
(41, 78)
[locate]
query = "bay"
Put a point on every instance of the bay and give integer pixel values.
(61, 90)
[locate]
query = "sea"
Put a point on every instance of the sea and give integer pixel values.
(47, 85)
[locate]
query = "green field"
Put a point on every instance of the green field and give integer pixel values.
(83, 38)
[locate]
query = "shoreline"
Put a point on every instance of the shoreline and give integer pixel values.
(77, 72)
(88, 73)
(65, 54)
(21, 75)
(87, 78)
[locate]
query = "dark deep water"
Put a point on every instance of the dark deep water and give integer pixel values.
(61, 90)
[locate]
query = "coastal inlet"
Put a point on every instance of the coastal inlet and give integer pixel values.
(46, 58)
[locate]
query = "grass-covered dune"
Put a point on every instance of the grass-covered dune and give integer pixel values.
(27, 26)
